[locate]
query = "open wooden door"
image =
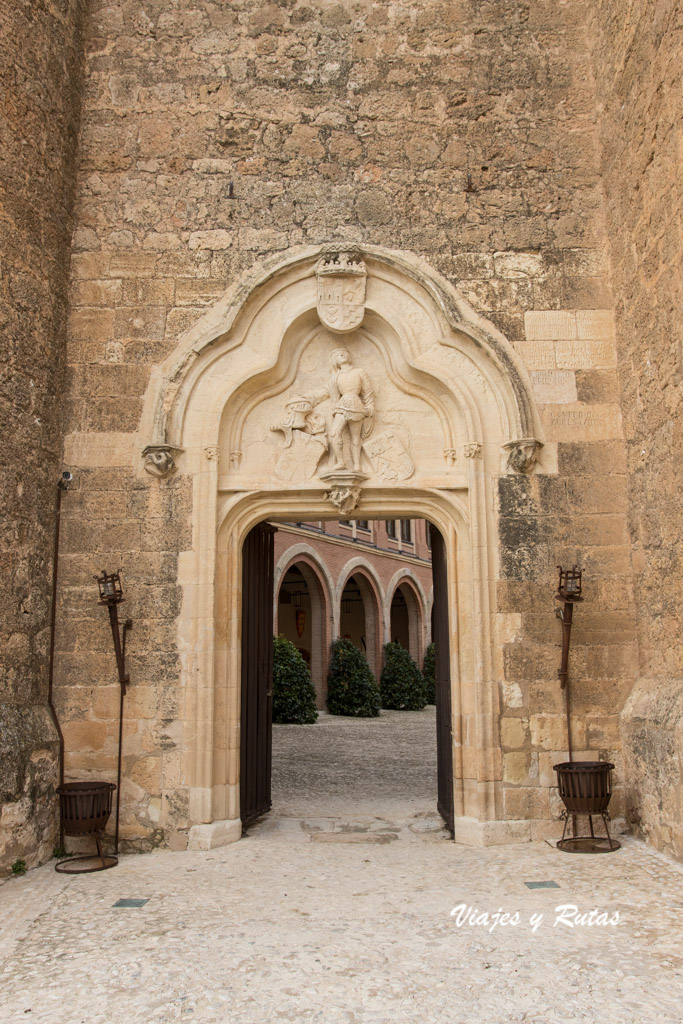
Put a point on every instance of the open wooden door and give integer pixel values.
(256, 729)
(441, 637)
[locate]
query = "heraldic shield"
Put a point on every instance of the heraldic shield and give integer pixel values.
(341, 290)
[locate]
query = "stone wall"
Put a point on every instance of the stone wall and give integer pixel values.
(214, 135)
(640, 87)
(40, 80)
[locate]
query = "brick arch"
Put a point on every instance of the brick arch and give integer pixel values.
(405, 580)
(320, 588)
(373, 601)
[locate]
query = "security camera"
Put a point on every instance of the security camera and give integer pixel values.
(64, 481)
(68, 477)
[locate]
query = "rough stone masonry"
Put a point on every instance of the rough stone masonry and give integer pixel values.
(526, 151)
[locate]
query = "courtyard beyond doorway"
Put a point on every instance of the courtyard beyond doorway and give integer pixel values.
(366, 767)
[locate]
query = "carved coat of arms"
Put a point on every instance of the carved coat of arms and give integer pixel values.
(341, 290)
(388, 457)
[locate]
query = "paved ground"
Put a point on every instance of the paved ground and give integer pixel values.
(387, 765)
(345, 918)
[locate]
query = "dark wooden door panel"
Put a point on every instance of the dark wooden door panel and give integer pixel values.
(441, 637)
(256, 730)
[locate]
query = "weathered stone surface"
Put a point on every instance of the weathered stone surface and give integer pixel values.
(40, 80)
(215, 135)
(638, 69)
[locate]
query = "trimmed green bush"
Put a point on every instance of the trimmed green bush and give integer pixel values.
(293, 691)
(401, 685)
(351, 686)
(429, 674)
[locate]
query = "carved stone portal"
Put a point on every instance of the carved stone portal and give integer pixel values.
(341, 290)
(522, 454)
(160, 459)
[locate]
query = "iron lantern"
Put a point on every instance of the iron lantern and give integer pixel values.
(569, 586)
(111, 588)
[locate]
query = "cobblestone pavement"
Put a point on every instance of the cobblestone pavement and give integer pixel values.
(345, 918)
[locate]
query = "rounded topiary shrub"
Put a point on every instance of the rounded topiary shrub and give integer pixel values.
(293, 692)
(429, 673)
(351, 686)
(401, 685)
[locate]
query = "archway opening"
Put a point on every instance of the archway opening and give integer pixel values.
(352, 615)
(380, 588)
(400, 623)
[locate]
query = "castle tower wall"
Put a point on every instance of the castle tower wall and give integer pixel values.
(640, 87)
(40, 81)
(462, 134)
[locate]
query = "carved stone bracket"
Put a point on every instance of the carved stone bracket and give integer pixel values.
(522, 454)
(450, 455)
(344, 498)
(473, 450)
(160, 459)
(344, 492)
(212, 452)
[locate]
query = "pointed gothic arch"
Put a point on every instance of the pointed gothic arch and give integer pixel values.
(452, 403)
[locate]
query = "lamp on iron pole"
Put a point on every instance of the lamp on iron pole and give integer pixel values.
(568, 594)
(111, 595)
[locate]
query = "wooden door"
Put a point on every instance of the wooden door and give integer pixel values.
(441, 637)
(256, 728)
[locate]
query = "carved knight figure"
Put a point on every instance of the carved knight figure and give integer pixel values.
(353, 409)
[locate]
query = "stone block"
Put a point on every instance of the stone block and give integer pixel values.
(579, 422)
(548, 731)
(514, 732)
(132, 264)
(199, 292)
(177, 841)
(595, 324)
(554, 387)
(517, 768)
(96, 293)
(550, 324)
(214, 835)
(538, 354)
(519, 264)
(84, 736)
(526, 803)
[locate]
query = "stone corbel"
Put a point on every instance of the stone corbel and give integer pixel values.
(472, 450)
(344, 492)
(160, 459)
(344, 498)
(522, 454)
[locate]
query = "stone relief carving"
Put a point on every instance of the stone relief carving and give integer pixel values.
(341, 289)
(473, 450)
(522, 454)
(353, 410)
(345, 498)
(388, 457)
(305, 440)
(212, 452)
(344, 436)
(160, 459)
(450, 455)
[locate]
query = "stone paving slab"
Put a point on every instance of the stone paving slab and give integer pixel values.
(345, 918)
(283, 927)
